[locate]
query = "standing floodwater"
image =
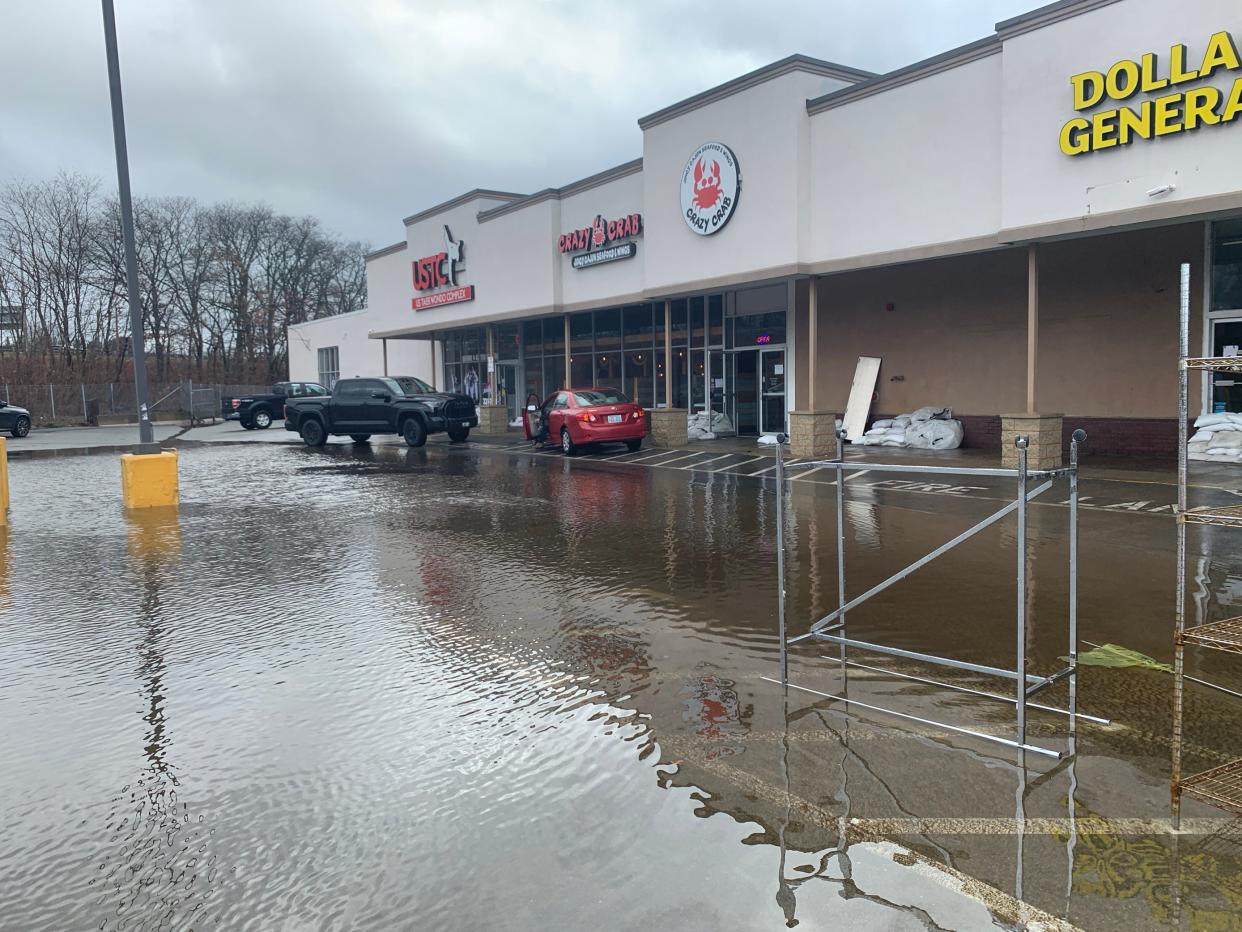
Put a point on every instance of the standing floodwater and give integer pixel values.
(463, 688)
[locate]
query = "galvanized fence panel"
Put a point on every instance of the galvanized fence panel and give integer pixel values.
(69, 404)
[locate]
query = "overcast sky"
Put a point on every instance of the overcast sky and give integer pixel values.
(363, 111)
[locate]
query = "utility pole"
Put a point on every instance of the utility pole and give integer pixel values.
(146, 436)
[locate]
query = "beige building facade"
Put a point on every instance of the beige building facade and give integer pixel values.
(1002, 224)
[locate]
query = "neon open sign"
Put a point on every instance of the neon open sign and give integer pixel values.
(763, 339)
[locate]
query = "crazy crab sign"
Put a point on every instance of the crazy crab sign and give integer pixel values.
(601, 238)
(710, 185)
(432, 272)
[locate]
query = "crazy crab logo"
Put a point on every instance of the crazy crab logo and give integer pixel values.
(710, 186)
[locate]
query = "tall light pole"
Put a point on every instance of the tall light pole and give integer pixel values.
(146, 436)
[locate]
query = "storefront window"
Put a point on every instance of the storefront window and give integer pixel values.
(681, 325)
(715, 311)
(637, 329)
(759, 329)
(580, 328)
(608, 330)
(581, 374)
(553, 335)
(696, 379)
(553, 374)
(452, 347)
(507, 341)
(1227, 265)
(681, 377)
(608, 369)
(697, 306)
(532, 338)
(638, 381)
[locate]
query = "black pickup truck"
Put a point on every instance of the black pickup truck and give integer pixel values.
(361, 407)
(256, 412)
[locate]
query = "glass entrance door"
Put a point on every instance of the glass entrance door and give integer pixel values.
(1226, 386)
(507, 382)
(772, 391)
(744, 391)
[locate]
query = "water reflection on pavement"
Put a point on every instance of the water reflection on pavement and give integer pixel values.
(452, 688)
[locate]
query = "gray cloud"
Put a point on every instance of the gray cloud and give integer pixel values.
(363, 111)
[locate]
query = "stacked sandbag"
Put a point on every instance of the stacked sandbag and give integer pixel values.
(928, 428)
(886, 433)
(700, 427)
(1217, 438)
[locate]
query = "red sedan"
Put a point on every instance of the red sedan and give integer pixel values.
(578, 416)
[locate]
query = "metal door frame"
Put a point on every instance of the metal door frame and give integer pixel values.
(783, 350)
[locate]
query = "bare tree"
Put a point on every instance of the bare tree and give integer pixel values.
(219, 285)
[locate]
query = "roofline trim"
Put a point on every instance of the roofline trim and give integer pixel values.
(945, 61)
(624, 170)
(777, 69)
(1047, 15)
(385, 251)
(472, 195)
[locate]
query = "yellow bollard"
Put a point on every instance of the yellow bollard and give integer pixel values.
(149, 480)
(4, 481)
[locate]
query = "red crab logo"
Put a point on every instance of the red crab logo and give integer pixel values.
(598, 233)
(706, 185)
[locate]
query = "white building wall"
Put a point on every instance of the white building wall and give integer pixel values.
(603, 283)
(1043, 185)
(761, 126)
(359, 355)
(911, 166)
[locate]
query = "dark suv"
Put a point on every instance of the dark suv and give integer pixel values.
(359, 408)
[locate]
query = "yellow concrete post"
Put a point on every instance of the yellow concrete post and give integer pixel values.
(149, 480)
(4, 481)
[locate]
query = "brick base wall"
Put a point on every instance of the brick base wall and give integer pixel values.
(1122, 436)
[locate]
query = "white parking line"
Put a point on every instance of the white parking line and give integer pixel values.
(788, 463)
(753, 459)
(656, 456)
(714, 459)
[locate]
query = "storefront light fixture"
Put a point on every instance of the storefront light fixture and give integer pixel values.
(1162, 190)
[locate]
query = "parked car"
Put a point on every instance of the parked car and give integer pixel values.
(576, 417)
(359, 408)
(14, 419)
(256, 412)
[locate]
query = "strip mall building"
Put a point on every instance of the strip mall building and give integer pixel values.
(1002, 224)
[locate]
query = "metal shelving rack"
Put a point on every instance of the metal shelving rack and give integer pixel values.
(1220, 786)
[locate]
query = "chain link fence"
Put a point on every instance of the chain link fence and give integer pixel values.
(78, 403)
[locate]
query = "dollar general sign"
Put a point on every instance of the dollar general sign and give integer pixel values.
(1177, 110)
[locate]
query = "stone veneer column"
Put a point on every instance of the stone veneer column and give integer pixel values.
(1044, 431)
(812, 433)
(668, 427)
(494, 419)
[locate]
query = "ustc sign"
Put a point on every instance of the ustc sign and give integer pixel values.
(710, 185)
(438, 271)
(1172, 112)
(601, 238)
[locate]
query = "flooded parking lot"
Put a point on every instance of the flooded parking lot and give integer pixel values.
(477, 687)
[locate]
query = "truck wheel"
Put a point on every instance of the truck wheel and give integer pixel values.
(21, 427)
(567, 443)
(414, 432)
(246, 425)
(634, 445)
(262, 420)
(359, 438)
(458, 434)
(313, 434)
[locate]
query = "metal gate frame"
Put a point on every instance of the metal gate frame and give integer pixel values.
(832, 627)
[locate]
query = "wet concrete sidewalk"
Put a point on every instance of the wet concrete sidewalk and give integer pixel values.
(87, 439)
